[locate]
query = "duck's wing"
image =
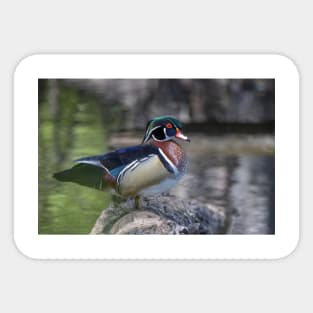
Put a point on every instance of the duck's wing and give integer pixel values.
(104, 170)
(114, 162)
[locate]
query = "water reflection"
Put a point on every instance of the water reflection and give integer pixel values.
(252, 195)
(242, 185)
(69, 129)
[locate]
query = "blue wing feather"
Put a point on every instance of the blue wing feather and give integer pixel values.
(117, 160)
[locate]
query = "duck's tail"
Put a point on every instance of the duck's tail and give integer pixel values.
(86, 175)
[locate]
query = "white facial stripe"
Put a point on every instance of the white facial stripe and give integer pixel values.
(166, 137)
(149, 134)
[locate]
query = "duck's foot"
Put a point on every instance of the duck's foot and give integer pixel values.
(137, 203)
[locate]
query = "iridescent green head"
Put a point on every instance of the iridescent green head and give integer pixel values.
(163, 128)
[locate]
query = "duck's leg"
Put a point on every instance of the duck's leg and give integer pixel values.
(137, 202)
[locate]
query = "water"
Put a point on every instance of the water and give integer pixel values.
(242, 185)
(69, 130)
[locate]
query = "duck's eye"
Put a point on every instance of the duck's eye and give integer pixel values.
(169, 125)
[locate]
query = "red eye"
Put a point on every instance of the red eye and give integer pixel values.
(169, 125)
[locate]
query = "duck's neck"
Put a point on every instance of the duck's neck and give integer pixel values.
(172, 150)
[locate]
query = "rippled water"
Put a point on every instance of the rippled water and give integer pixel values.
(243, 185)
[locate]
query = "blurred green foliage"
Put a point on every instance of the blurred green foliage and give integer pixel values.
(69, 128)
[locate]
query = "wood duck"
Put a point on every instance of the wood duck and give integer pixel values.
(152, 167)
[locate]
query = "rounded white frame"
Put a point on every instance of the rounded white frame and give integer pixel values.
(26, 76)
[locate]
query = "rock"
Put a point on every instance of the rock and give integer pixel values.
(165, 214)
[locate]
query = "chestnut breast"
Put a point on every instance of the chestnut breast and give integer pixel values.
(174, 152)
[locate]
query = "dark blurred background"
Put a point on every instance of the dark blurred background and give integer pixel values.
(231, 155)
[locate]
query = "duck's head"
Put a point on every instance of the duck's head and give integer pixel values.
(164, 128)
